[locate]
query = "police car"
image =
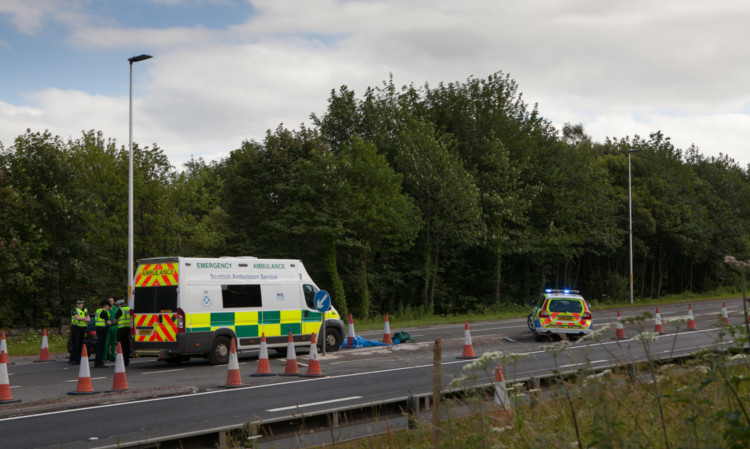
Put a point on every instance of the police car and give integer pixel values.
(559, 312)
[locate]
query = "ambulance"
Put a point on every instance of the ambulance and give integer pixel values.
(193, 307)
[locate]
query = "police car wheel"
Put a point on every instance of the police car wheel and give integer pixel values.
(530, 322)
(219, 354)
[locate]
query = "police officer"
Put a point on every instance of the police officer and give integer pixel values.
(123, 329)
(103, 322)
(78, 319)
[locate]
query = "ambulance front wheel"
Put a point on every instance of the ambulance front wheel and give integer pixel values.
(219, 354)
(333, 339)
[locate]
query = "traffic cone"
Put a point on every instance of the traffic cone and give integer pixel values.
(264, 367)
(658, 326)
(724, 314)
(502, 398)
(84, 376)
(313, 366)
(120, 381)
(387, 332)
(691, 319)
(350, 334)
(291, 359)
(468, 348)
(619, 330)
(4, 347)
(5, 396)
(234, 380)
(44, 354)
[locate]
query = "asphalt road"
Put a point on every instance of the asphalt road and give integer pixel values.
(357, 376)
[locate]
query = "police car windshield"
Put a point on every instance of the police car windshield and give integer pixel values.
(565, 305)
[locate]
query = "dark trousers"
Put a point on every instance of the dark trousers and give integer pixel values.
(101, 344)
(76, 338)
(123, 336)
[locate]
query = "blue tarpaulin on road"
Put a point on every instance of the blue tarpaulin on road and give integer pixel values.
(359, 342)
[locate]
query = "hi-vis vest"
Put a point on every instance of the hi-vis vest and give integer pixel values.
(98, 320)
(124, 320)
(79, 312)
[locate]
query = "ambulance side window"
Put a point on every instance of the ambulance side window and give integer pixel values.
(310, 291)
(239, 296)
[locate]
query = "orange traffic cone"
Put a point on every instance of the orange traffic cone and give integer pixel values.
(313, 366)
(291, 359)
(4, 347)
(691, 319)
(502, 398)
(84, 376)
(724, 314)
(234, 379)
(350, 334)
(264, 367)
(387, 332)
(120, 381)
(468, 348)
(619, 330)
(658, 326)
(5, 396)
(44, 354)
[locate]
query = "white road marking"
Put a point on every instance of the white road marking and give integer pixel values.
(166, 371)
(76, 380)
(312, 404)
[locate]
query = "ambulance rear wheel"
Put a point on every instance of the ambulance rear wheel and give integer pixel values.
(219, 354)
(333, 339)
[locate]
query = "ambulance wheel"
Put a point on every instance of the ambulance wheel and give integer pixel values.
(333, 339)
(219, 354)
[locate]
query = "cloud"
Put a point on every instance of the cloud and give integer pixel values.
(620, 69)
(33, 17)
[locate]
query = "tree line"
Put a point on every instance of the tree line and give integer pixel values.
(423, 199)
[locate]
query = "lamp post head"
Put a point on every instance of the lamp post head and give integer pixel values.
(633, 150)
(139, 58)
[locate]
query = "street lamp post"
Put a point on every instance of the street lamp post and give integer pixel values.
(630, 222)
(130, 181)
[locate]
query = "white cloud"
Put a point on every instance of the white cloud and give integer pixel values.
(621, 69)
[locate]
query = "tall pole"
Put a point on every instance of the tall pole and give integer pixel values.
(130, 181)
(630, 222)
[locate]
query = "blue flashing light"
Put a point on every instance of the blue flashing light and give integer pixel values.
(566, 291)
(549, 290)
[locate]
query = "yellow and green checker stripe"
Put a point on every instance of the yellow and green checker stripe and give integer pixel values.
(253, 324)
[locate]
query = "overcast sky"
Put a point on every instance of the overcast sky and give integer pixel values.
(225, 71)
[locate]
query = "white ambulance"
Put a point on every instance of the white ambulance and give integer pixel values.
(192, 307)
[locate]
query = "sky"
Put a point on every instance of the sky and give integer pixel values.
(226, 71)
